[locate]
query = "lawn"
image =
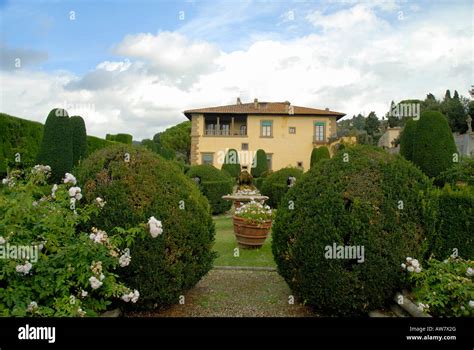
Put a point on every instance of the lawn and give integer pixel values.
(226, 243)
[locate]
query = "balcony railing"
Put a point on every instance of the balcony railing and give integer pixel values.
(224, 132)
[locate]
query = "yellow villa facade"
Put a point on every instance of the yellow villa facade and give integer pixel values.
(286, 133)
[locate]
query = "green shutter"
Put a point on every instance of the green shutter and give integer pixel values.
(319, 123)
(267, 123)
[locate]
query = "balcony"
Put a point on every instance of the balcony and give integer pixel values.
(225, 126)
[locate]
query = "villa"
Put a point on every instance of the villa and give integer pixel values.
(285, 132)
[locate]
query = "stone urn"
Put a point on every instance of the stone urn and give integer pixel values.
(251, 235)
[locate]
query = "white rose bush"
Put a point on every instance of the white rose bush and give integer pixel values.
(62, 271)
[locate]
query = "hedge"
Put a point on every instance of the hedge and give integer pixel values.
(122, 138)
(161, 268)
(56, 147)
(261, 165)
(407, 139)
(18, 136)
(214, 184)
(232, 163)
(275, 184)
(352, 204)
(79, 139)
(455, 223)
(460, 173)
(318, 154)
(95, 143)
(434, 146)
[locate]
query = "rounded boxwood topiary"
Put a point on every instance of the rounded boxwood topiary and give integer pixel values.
(147, 185)
(79, 139)
(318, 154)
(372, 201)
(407, 139)
(261, 165)
(275, 185)
(232, 163)
(434, 147)
(56, 147)
(214, 184)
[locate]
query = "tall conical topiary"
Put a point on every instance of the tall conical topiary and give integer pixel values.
(232, 163)
(260, 163)
(434, 149)
(407, 139)
(318, 154)
(56, 146)
(79, 139)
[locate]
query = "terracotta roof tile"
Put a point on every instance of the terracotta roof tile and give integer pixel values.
(263, 108)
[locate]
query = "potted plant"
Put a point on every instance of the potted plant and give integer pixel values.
(252, 223)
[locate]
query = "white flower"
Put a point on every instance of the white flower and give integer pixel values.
(45, 169)
(81, 312)
(417, 269)
(70, 179)
(403, 266)
(471, 303)
(415, 263)
(410, 268)
(132, 296)
(72, 300)
(422, 307)
(75, 192)
(95, 283)
(155, 227)
(124, 260)
(32, 307)
(53, 191)
(469, 272)
(102, 276)
(135, 297)
(98, 236)
(10, 181)
(100, 202)
(2, 240)
(409, 259)
(24, 269)
(84, 293)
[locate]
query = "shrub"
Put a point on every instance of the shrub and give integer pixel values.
(79, 139)
(446, 287)
(214, 184)
(461, 173)
(318, 154)
(354, 203)
(407, 139)
(18, 136)
(275, 185)
(53, 282)
(145, 186)
(434, 145)
(122, 138)
(455, 222)
(95, 143)
(56, 146)
(261, 165)
(232, 163)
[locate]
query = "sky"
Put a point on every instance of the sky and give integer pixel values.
(135, 66)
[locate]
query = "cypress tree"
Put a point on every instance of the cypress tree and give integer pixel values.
(261, 165)
(232, 163)
(56, 146)
(407, 138)
(79, 139)
(318, 154)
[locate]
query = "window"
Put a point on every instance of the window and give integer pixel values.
(299, 164)
(225, 129)
(245, 147)
(269, 161)
(266, 128)
(319, 131)
(243, 130)
(207, 158)
(292, 130)
(210, 129)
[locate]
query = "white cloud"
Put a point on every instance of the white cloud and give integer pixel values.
(358, 63)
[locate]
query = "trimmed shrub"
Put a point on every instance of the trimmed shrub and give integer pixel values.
(148, 185)
(459, 174)
(352, 204)
(434, 145)
(275, 185)
(214, 184)
(18, 136)
(455, 222)
(261, 165)
(56, 146)
(407, 139)
(317, 154)
(122, 138)
(95, 143)
(79, 139)
(232, 163)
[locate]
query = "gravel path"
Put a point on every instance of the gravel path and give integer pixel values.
(236, 293)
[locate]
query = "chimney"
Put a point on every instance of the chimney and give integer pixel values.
(327, 109)
(238, 101)
(287, 106)
(255, 103)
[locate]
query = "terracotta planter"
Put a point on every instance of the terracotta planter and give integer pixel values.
(237, 204)
(250, 235)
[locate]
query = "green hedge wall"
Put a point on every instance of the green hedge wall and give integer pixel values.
(462, 172)
(18, 136)
(455, 223)
(318, 154)
(122, 138)
(275, 185)
(96, 143)
(79, 139)
(261, 166)
(232, 163)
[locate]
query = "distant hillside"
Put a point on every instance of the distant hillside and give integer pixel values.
(24, 137)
